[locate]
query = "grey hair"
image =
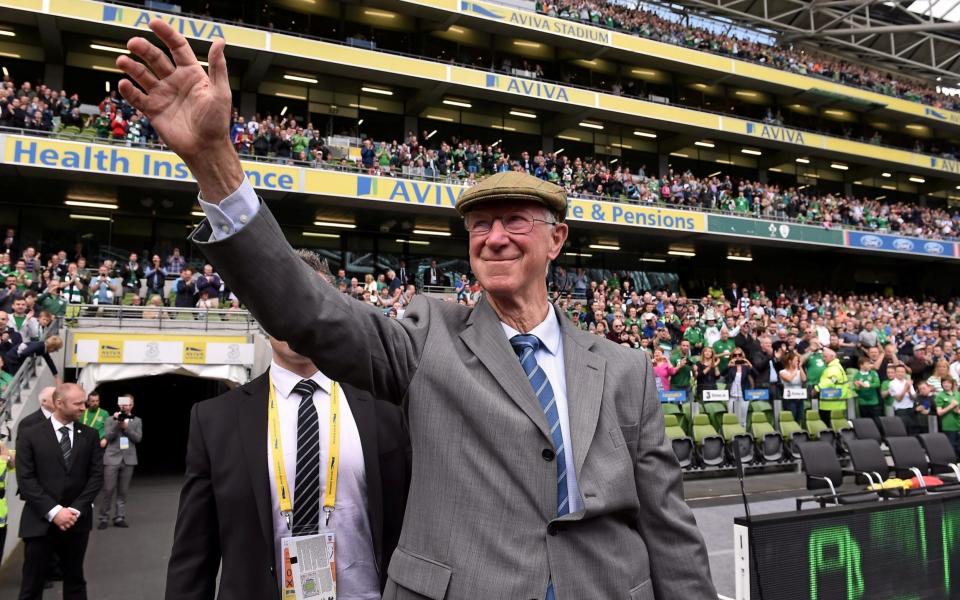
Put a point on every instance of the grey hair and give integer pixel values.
(314, 261)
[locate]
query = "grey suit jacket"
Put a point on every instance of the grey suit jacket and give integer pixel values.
(113, 455)
(481, 514)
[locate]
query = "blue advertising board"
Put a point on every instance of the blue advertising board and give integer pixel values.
(673, 396)
(756, 395)
(903, 245)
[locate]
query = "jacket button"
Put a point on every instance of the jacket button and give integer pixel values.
(273, 571)
(548, 454)
(553, 529)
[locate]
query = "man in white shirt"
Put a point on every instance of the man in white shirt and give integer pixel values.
(43, 414)
(59, 466)
(370, 492)
(903, 392)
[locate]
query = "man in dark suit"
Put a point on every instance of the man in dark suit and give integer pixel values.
(766, 365)
(42, 414)
(15, 357)
(59, 466)
(9, 336)
(229, 511)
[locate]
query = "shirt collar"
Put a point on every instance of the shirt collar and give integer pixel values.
(57, 424)
(548, 332)
(284, 380)
(46, 413)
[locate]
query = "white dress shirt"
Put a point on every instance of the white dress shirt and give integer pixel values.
(357, 577)
(550, 358)
(56, 431)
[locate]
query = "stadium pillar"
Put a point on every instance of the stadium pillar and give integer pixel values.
(762, 175)
(53, 76)
(248, 103)
(546, 143)
(663, 164)
(410, 125)
(848, 189)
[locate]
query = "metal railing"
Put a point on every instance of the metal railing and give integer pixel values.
(159, 318)
(453, 180)
(28, 369)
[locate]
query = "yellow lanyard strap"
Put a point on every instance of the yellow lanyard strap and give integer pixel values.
(333, 461)
(93, 423)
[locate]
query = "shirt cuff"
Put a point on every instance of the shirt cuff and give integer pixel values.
(53, 512)
(233, 212)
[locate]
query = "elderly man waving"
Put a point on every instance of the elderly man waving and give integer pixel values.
(540, 465)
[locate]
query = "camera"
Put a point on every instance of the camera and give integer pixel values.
(122, 416)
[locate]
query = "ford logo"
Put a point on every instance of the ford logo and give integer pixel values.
(902, 244)
(933, 248)
(871, 241)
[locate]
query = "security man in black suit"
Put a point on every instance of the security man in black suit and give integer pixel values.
(59, 467)
(227, 522)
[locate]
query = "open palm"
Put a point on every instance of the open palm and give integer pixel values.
(189, 109)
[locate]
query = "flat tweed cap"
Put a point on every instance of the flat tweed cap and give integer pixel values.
(515, 185)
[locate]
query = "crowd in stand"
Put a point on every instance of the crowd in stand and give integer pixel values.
(881, 350)
(465, 161)
(640, 22)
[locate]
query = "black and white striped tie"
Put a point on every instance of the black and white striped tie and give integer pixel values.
(306, 500)
(65, 447)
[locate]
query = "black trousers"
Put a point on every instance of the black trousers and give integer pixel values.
(70, 547)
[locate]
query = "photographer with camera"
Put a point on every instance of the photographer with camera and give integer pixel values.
(123, 431)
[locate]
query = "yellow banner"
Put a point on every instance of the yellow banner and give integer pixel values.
(140, 348)
(138, 18)
(618, 213)
(135, 162)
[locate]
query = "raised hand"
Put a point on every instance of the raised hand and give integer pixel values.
(189, 108)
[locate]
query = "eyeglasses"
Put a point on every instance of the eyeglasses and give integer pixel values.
(517, 223)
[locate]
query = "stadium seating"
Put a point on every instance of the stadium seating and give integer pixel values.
(763, 407)
(866, 429)
(893, 427)
(709, 443)
(941, 455)
(910, 460)
(867, 461)
(683, 446)
(769, 443)
(792, 433)
(716, 412)
(739, 441)
(823, 472)
(818, 430)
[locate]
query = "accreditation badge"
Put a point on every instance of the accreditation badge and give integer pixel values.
(309, 567)
(124, 442)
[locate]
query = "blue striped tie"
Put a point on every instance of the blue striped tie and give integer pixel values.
(526, 347)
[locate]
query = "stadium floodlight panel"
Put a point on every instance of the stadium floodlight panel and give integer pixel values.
(10, 55)
(81, 217)
(886, 174)
(301, 78)
(455, 102)
(379, 13)
(606, 246)
(746, 93)
(375, 90)
(580, 254)
(705, 144)
(646, 134)
(339, 224)
(435, 232)
(740, 258)
(317, 234)
(916, 179)
(197, 213)
(414, 242)
(591, 125)
(88, 204)
(439, 118)
(650, 259)
(526, 44)
(107, 48)
(523, 113)
(751, 151)
(7, 33)
(839, 166)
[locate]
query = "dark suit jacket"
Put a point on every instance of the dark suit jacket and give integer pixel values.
(225, 507)
(44, 480)
(761, 367)
(31, 420)
(13, 358)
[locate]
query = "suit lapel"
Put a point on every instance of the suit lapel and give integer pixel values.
(484, 337)
(363, 408)
(252, 422)
(584, 373)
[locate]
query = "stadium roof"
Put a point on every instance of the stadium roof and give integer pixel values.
(920, 38)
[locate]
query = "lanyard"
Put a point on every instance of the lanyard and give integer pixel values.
(333, 460)
(93, 423)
